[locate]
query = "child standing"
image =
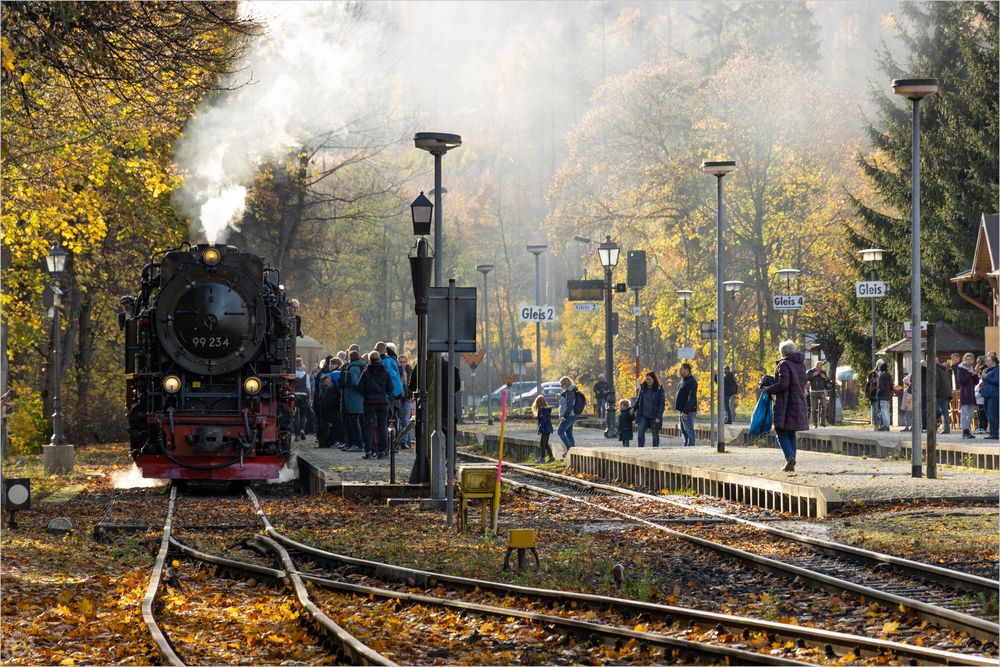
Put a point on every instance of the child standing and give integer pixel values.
(543, 415)
(625, 419)
(906, 407)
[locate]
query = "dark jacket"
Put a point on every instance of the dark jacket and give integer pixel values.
(966, 381)
(354, 402)
(687, 396)
(989, 388)
(376, 386)
(567, 402)
(884, 392)
(943, 389)
(544, 419)
(650, 402)
(789, 391)
(817, 380)
(625, 420)
(601, 389)
(729, 385)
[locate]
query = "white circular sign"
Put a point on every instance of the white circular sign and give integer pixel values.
(17, 494)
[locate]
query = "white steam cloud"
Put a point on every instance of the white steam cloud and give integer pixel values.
(294, 83)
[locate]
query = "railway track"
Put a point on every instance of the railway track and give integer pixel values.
(936, 594)
(652, 622)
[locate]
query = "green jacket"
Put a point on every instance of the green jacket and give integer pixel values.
(354, 402)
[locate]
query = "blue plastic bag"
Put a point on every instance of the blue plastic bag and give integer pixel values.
(763, 417)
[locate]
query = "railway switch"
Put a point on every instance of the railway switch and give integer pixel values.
(523, 540)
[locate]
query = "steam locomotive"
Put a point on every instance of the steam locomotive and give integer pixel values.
(209, 358)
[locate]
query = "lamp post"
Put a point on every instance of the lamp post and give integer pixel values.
(685, 295)
(787, 275)
(608, 252)
(437, 144)
(915, 90)
(537, 250)
(484, 269)
(56, 262)
(732, 288)
(420, 272)
(719, 168)
(873, 256)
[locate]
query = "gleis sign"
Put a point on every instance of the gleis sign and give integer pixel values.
(789, 302)
(538, 313)
(871, 289)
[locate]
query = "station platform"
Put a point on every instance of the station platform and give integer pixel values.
(321, 470)
(824, 481)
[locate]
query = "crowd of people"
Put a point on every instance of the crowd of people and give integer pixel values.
(351, 398)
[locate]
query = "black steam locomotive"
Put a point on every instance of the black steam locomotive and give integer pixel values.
(209, 361)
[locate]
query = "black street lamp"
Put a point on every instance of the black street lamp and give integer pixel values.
(608, 251)
(719, 168)
(484, 269)
(873, 256)
(732, 288)
(56, 262)
(421, 265)
(685, 295)
(437, 144)
(915, 90)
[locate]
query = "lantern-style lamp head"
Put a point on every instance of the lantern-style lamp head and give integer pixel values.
(733, 286)
(684, 295)
(608, 252)
(56, 259)
(421, 210)
(719, 167)
(915, 89)
(872, 254)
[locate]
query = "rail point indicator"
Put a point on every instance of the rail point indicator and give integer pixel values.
(788, 302)
(537, 313)
(871, 289)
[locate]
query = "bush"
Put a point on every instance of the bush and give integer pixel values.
(28, 426)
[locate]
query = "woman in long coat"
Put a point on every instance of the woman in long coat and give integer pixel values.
(789, 391)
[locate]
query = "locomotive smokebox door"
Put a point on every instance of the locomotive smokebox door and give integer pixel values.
(210, 440)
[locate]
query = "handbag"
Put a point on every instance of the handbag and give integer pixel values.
(763, 416)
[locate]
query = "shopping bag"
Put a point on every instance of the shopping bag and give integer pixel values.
(762, 419)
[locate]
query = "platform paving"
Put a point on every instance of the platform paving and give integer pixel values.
(339, 466)
(852, 478)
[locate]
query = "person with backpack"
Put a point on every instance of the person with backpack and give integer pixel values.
(375, 386)
(686, 404)
(648, 409)
(354, 402)
(569, 399)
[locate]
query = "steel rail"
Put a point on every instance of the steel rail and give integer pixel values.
(954, 578)
(586, 628)
(356, 651)
(163, 645)
(859, 644)
(977, 627)
(274, 575)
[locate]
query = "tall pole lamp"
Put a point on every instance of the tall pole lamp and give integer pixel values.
(421, 265)
(915, 90)
(685, 295)
(787, 275)
(719, 168)
(873, 256)
(537, 251)
(732, 288)
(437, 144)
(484, 269)
(56, 262)
(608, 251)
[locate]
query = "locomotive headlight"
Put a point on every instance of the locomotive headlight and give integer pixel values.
(251, 385)
(171, 384)
(211, 256)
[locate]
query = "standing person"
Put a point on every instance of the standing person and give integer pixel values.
(942, 396)
(354, 402)
(819, 383)
(883, 394)
(335, 405)
(375, 386)
(405, 371)
(789, 390)
(730, 388)
(648, 408)
(303, 397)
(871, 395)
(543, 415)
(567, 412)
(965, 380)
(989, 390)
(686, 403)
(906, 404)
(601, 390)
(625, 419)
(323, 407)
